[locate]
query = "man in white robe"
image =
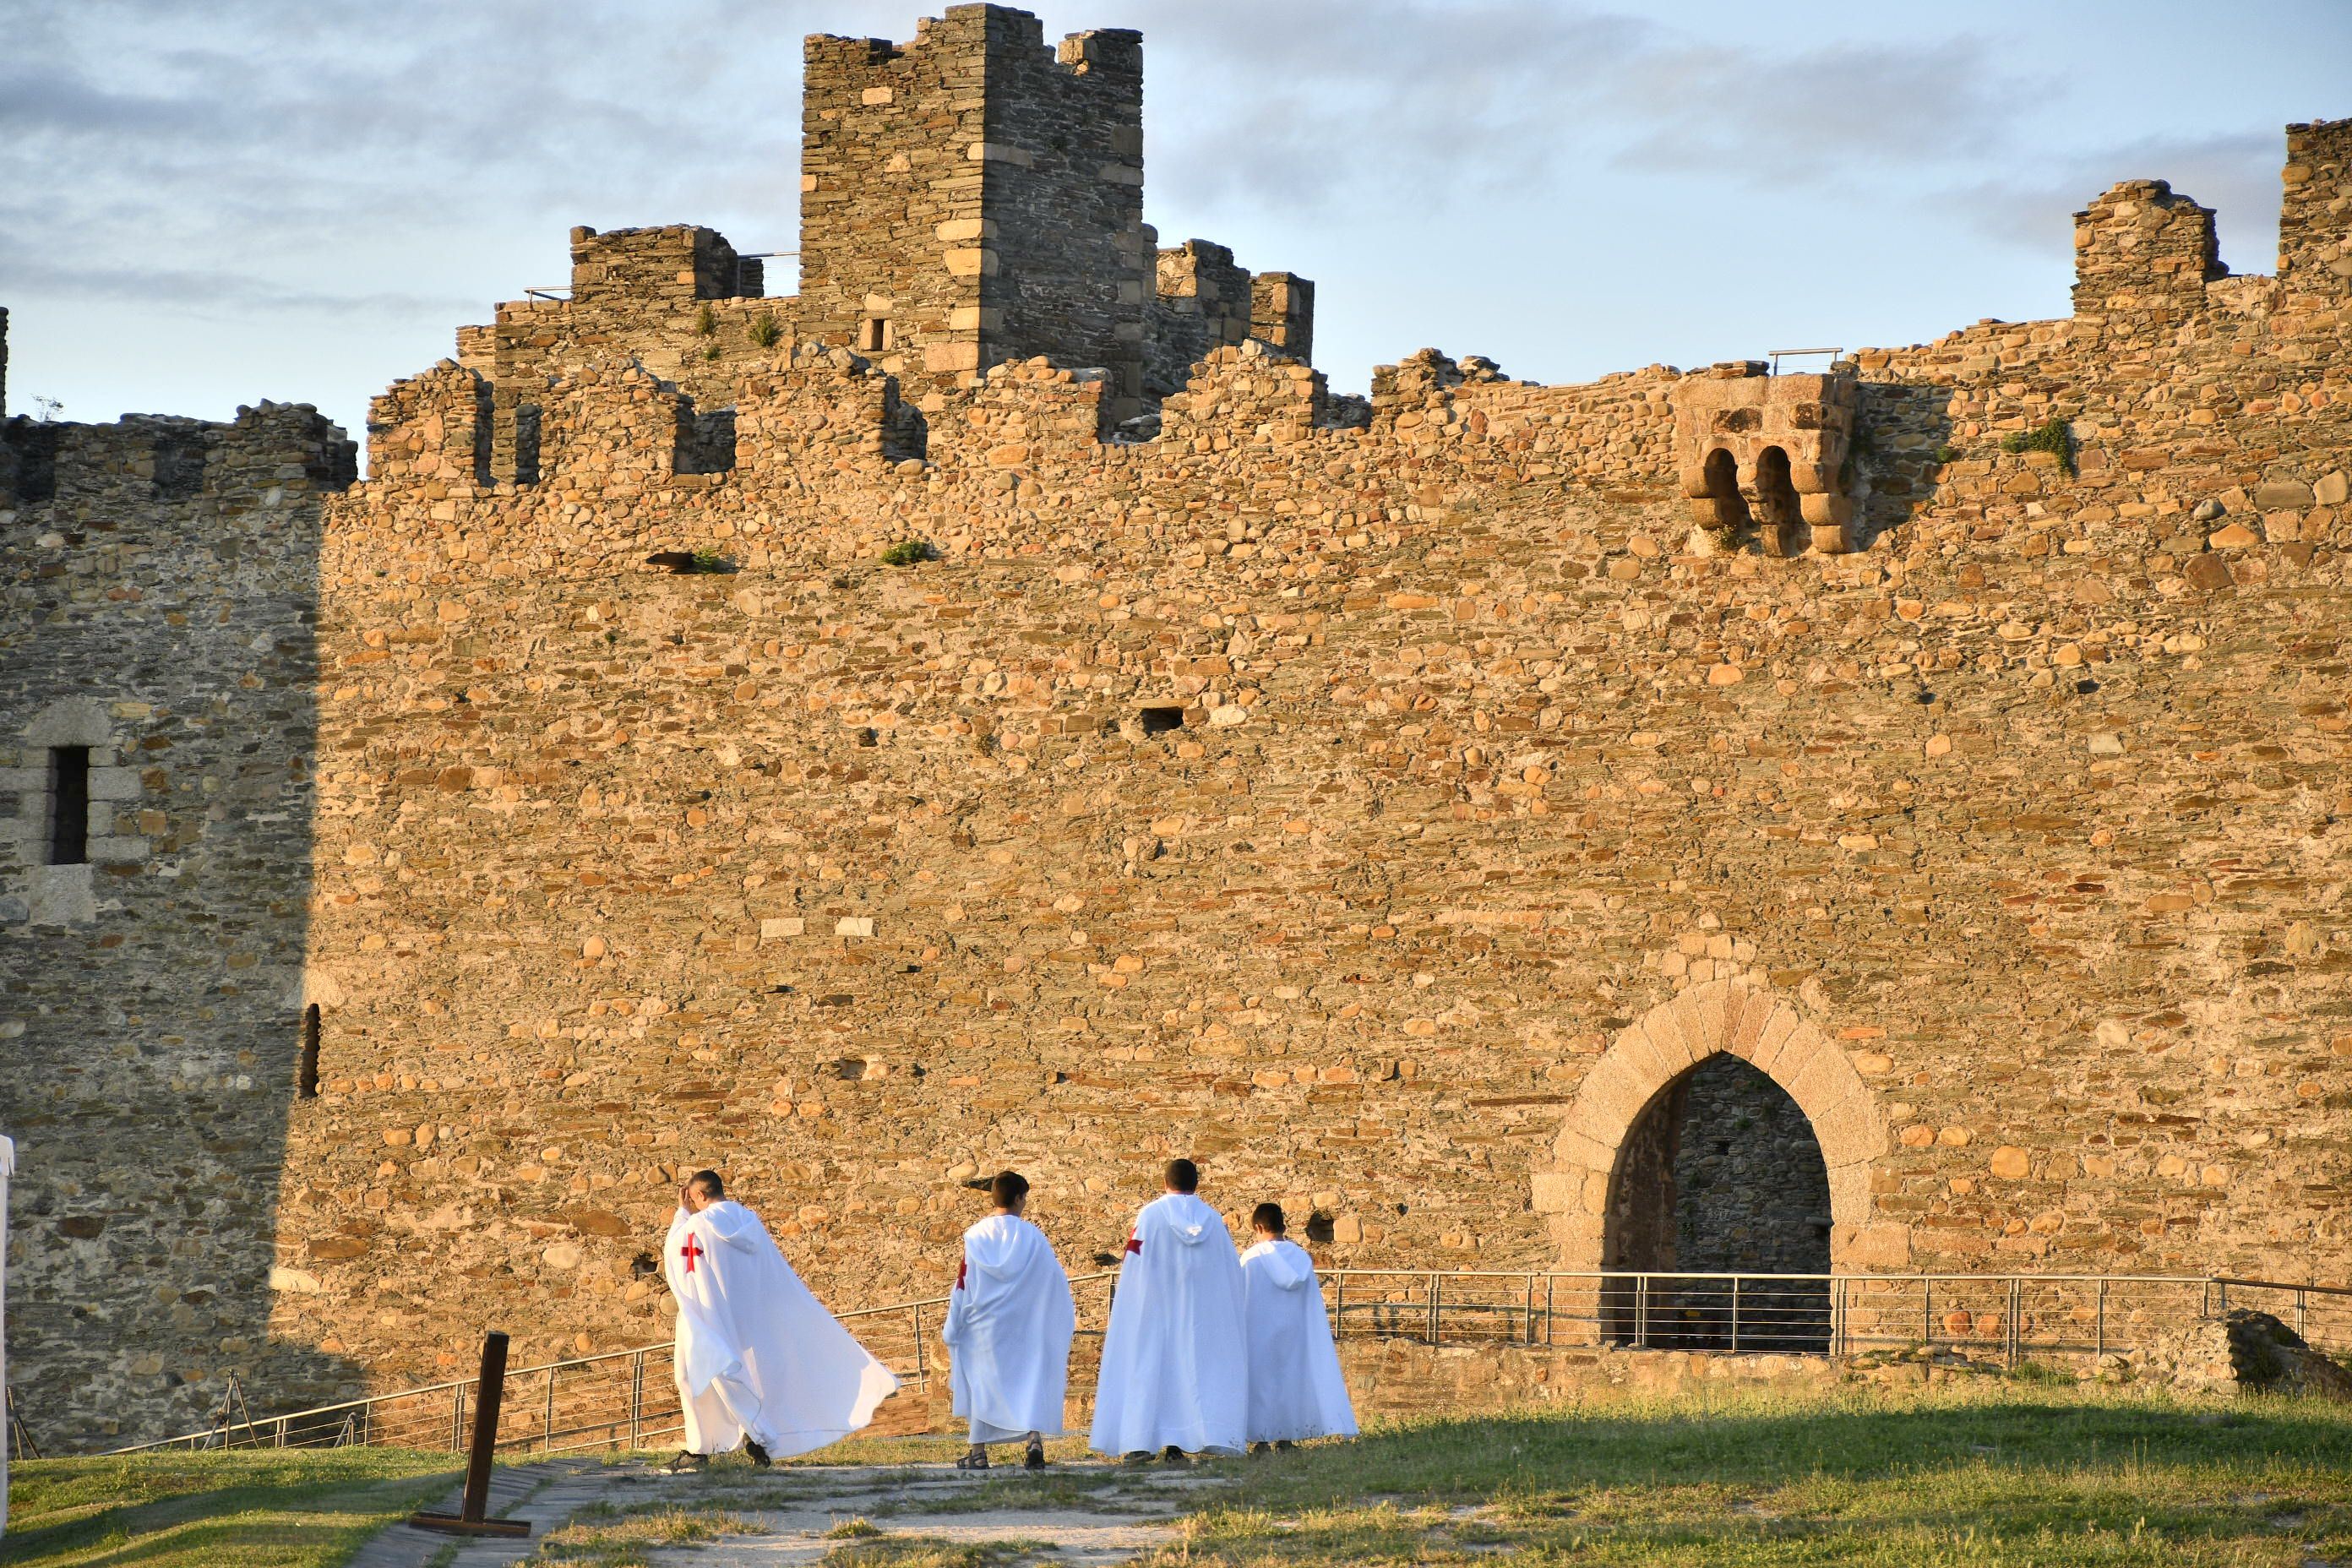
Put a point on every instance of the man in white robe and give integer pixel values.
(1295, 1388)
(760, 1363)
(1175, 1362)
(1010, 1319)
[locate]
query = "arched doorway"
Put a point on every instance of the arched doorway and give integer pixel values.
(1730, 508)
(1720, 1174)
(1613, 1133)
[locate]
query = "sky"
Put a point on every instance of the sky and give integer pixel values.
(208, 204)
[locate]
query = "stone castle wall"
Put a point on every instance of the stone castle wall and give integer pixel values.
(159, 583)
(859, 881)
(1380, 804)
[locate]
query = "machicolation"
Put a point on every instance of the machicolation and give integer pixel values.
(1716, 817)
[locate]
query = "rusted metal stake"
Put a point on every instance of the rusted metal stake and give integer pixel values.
(472, 1519)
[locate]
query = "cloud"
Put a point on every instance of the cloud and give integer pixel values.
(1818, 114)
(2234, 173)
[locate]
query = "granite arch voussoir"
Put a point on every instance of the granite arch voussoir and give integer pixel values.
(1769, 1032)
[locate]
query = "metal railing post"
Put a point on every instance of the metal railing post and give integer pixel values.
(1641, 1312)
(458, 1418)
(2298, 1313)
(547, 1423)
(1434, 1288)
(637, 1397)
(922, 1366)
(1548, 1309)
(1926, 1311)
(1735, 1314)
(1338, 1306)
(2099, 1341)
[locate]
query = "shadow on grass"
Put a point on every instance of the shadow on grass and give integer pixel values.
(173, 1508)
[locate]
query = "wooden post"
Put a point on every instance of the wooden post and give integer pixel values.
(471, 1519)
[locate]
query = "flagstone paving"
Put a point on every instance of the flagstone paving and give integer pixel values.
(1083, 1514)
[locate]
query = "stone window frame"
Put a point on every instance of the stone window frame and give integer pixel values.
(67, 895)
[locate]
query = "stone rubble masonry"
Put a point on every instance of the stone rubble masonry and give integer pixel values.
(968, 198)
(160, 596)
(2009, 843)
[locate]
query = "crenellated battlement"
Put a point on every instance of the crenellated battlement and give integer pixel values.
(266, 456)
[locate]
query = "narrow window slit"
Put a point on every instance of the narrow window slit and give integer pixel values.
(1159, 721)
(306, 1073)
(68, 805)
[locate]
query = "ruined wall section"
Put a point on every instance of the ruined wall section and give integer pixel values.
(2143, 256)
(1281, 312)
(158, 593)
(677, 299)
(1200, 301)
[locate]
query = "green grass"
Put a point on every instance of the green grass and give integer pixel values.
(249, 1510)
(1996, 1473)
(1986, 1470)
(883, 1550)
(606, 1537)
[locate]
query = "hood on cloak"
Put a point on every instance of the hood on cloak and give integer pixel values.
(1190, 1220)
(1001, 1246)
(1281, 1263)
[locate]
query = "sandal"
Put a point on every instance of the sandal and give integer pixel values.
(975, 1460)
(1033, 1457)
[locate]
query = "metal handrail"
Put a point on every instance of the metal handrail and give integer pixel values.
(1652, 1307)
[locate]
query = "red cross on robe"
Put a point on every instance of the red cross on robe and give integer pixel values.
(691, 1250)
(1135, 1243)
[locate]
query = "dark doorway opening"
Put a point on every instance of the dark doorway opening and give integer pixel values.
(1721, 1174)
(1723, 489)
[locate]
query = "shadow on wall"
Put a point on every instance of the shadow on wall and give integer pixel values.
(1903, 440)
(158, 711)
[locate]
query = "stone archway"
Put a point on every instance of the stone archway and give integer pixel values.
(1763, 1029)
(1780, 517)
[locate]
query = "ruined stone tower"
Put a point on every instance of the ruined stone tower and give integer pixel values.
(973, 196)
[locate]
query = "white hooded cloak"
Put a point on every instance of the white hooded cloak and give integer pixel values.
(1008, 1332)
(1174, 1363)
(757, 1353)
(1296, 1389)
